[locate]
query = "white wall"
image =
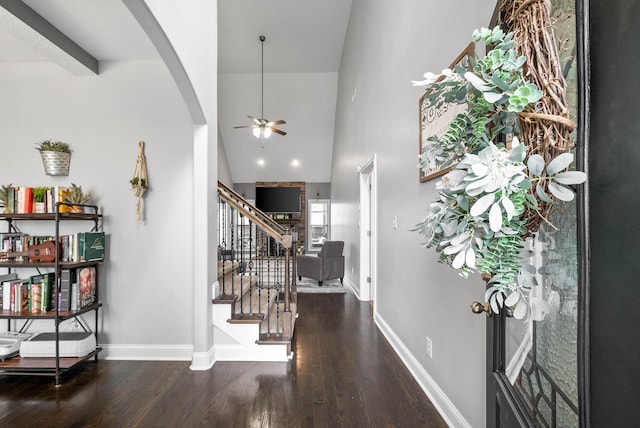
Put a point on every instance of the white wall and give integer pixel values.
(388, 44)
(191, 56)
(146, 285)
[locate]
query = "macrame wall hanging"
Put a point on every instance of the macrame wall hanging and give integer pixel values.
(139, 182)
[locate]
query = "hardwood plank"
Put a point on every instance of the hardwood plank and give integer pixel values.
(343, 374)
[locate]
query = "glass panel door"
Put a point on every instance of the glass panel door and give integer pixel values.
(541, 354)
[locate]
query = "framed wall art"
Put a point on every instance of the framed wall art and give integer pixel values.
(434, 122)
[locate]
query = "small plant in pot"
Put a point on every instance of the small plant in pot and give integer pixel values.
(138, 186)
(4, 197)
(75, 195)
(56, 157)
(38, 198)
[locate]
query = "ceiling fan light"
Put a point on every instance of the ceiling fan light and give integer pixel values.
(267, 132)
(256, 132)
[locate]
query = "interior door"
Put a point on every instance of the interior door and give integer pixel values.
(535, 373)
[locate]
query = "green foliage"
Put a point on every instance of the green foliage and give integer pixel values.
(4, 193)
(53, 146)
(75, 195)
(39, 193)
(138, 182)
(478, 222)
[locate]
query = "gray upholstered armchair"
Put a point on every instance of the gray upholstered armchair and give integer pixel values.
(329, 264)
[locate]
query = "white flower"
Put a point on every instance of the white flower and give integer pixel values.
(429, 79)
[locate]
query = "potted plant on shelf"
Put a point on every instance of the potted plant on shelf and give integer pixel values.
(75, 195)
(4, 197)
(38, 198)
(56, 157)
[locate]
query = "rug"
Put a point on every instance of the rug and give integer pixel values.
(306, 285)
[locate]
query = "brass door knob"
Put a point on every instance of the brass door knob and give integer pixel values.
(478, 308)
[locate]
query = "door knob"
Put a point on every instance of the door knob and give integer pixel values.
(478, 308)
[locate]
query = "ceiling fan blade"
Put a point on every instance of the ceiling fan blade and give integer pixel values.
(257, 121)
(245, 126)
(276, 122)
(277, 131)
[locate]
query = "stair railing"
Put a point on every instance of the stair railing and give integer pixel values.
(262, 252)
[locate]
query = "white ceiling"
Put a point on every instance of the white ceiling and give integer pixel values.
(302, 53)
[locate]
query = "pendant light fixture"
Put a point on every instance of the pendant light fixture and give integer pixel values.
(262, 128)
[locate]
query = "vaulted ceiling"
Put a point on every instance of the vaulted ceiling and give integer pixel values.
(302, 54)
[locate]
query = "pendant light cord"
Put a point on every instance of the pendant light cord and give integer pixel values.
(262, 39)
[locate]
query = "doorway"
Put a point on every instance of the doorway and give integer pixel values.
(368, 231)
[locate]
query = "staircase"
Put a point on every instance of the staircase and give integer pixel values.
(254, 308)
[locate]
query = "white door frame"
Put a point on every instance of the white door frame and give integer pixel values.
(368, 214)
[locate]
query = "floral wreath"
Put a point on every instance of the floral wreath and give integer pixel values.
(509, 173)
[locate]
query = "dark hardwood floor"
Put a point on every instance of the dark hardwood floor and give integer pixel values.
(343, 374)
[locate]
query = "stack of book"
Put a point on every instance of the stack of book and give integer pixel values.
(78, 247)
(37, 293)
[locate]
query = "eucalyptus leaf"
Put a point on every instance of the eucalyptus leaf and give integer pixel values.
(461, 238)
(476, 81)
(495, 218)
(479, 169)
(496, 80)
(561, 161)
(492, 97)
(512, 299)
(536, 165)
(453, 249)
(517, 153)
(470, 258)
(458, 261)
(570, 177)
(494, 304)
(509, 208)
(489, 292)
(520, 311)
(500, 299)
(482, 205)
(543, 196)
(561, 192)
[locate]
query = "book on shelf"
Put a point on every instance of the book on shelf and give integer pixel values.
(35, 297)
(68, 282)
(5, 289)
(9, 298)
(87, 285)
(48, 292)
(20, 295)
(91, 246)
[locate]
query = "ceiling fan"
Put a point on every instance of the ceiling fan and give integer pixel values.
(262, 127)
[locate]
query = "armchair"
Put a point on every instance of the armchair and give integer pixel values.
(328, 264)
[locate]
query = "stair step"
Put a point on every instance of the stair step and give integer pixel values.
(227, 266)
(246, 318)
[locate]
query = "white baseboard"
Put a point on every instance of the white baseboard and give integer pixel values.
(147, 352)
(442, 403)
(354, 288)
(202, 360)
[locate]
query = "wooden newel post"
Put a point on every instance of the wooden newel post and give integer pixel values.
(286, 315)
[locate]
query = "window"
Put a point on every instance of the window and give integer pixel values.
(318, 228)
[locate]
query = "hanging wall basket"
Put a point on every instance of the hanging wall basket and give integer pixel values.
(56, 163)
(139, 182)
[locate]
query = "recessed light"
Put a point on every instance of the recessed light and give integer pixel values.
(295, 162)
(261, 162)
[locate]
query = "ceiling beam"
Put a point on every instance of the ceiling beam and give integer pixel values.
(30, 27)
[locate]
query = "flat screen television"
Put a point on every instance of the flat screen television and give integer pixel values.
(278, 199)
